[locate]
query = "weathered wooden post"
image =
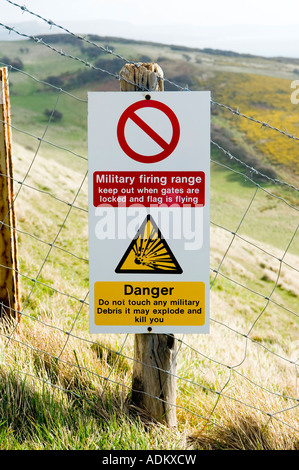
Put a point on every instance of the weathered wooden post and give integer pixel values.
(154, 375)
(9, 292)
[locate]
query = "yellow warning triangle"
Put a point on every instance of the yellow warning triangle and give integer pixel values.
(148, 253)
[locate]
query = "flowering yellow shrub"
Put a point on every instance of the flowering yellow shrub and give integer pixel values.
(266, 99)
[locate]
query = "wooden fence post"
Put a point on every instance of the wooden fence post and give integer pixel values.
(154, 374)
(9, 293)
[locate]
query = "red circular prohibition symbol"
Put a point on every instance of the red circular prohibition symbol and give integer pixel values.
(168, 148)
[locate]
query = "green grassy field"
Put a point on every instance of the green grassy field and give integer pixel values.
(231, 380)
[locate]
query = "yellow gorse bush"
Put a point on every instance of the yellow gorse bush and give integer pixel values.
(266, 99)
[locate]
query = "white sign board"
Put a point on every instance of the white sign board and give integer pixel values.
(149, 204)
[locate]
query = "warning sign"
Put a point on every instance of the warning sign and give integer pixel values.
(148, 253)
(123, 188)
(149, 206)
(149, 303)
(130, 114)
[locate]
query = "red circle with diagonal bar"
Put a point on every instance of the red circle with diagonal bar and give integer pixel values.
(130, 113)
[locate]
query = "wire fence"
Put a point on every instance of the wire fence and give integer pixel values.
(248, 362)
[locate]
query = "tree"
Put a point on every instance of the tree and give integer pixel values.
(54, 115)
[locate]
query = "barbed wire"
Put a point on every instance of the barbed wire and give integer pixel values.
(52, 23)
(77, 36)
(70, 56)
(263, 124)
(248, 178)
(252, 169)
(88, 41)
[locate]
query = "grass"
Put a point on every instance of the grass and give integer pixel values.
(237, 385)
(269, 214)
(92, 413)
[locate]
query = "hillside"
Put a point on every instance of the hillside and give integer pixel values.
(256, 86)
(62, 388)
(83, 411)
